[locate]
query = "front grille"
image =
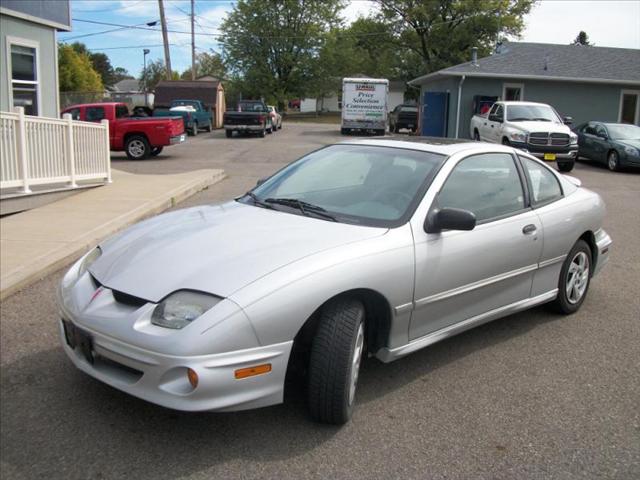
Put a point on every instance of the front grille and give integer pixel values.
(544, 138)
(559, 139)
(539, 138)
(127, 299)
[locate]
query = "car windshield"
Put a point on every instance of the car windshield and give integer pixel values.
(624, 132)
(360, 184)
(522, 113)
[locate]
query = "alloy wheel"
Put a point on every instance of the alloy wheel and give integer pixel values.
(355, 362)
(577, 278)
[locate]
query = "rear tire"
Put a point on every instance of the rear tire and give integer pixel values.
(263, 132)
(137, 147)
(575, 277)
(613, 161)
(194, 129)
(228, 133)
(334, 364)
(476, 135)
(209, 127)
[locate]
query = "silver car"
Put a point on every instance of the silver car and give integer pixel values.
(374, 247)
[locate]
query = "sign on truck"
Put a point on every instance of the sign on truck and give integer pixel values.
(364, 105)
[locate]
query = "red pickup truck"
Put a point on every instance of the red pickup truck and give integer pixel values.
(139, 137)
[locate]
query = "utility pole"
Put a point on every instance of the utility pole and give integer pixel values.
(165, 40)
(193, 44)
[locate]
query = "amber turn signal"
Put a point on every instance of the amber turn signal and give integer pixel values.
(193, 377)
(252, 371)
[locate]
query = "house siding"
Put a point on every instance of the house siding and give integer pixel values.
(582, 101)
(47, 53)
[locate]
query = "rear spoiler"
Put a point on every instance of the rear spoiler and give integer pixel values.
(576, 181)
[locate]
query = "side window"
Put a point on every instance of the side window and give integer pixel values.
(122, 111)
(588, 129)
(75, 113)
(493, 109)
(487, 185)
(94, 114)
(500, 112)
(601, 132)
(544, 184)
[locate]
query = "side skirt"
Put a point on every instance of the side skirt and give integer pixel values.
(389, 354)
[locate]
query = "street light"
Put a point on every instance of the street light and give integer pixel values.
(145, 52)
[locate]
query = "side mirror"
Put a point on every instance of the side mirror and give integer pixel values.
(603, 136)
(567, 120)
(260, 182)
(449, 219)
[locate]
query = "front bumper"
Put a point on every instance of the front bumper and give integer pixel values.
(177, 139)
(162, 379)
(538, 151)
(244, 127)
(603, 244)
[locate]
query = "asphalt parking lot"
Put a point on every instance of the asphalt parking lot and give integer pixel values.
(533, 395)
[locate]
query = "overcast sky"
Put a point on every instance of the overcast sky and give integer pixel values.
(609, 23)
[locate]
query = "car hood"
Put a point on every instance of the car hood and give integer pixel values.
(541, 127)
(215, 249)
(630, 143)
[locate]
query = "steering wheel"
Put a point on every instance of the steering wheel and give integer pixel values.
(397, 198)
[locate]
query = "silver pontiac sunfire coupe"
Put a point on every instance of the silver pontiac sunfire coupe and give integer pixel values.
(375, 246)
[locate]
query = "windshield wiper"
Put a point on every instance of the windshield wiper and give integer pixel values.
(519, 119)
(257, 201)
(542, 119)
(304, 207)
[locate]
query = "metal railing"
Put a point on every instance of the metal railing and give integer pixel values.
(48, 151)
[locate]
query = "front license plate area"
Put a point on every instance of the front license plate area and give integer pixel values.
(77, 338)
(549, 156)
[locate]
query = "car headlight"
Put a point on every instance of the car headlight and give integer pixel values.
(574, 138)
(634, 152)
(87, 261)
(519, 136)
(181, 308)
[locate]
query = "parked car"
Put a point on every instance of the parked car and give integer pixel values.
(193, 114)
(276, 118)
(250, 116)
(138, 137)
(376, 248)
(532, 127)
(403, 116)
(615, 144)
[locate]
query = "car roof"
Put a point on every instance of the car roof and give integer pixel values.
(510, 103)
(442, 146)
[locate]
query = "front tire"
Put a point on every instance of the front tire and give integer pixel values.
(505, 141)
(155, 151)
(209, 127)
(575, 277)
(613, 161)
(566, 166)
(137, 148)
(334, 365)
(228, 133)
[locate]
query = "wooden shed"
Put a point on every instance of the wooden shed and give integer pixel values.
(209, 92)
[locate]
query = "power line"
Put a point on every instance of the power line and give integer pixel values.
(92, 34)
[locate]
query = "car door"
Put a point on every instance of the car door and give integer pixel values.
(586, 136)
(494, 131)
(600, 143)
(464, 274)
(484, 128)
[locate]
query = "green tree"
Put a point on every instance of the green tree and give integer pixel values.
(120, 73)
(441, 32)
(76, 73)
(272, 48)
(156, 71)
(581, 39)
(207, 64)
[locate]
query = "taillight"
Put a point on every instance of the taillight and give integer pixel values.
(261, 118)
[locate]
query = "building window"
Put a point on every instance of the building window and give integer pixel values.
(24, 78)
(629, 107)
(513, 91)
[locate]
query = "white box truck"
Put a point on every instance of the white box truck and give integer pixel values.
(364, 105)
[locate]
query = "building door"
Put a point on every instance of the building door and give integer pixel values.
(630, 107)
(434, 114)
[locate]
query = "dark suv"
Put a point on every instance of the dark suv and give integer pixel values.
(404, 116)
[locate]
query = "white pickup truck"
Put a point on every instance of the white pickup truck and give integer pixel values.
(534, 127)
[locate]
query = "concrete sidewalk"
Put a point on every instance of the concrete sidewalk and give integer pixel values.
(40, 241)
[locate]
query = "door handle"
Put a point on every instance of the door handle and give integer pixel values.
(491, 126)
(529, 229)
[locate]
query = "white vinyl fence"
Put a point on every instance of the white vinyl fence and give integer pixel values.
(51, 151)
